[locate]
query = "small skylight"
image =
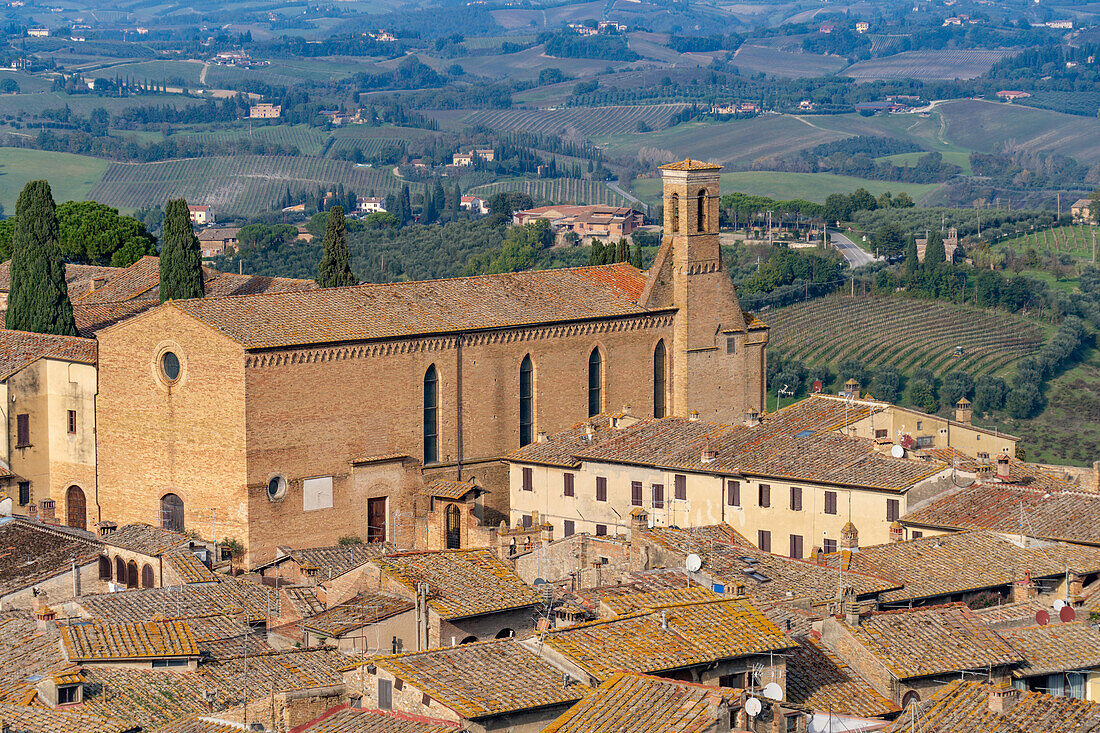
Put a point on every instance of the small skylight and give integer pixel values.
(804, 434)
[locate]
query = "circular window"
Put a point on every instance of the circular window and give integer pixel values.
(276, 488)
(170, 366)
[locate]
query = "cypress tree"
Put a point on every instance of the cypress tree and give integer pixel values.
(636, 256)
(404, 205)
(912, 264)
(180, 259)
(39, 297)
(456, 203)
(595, 255)
(934, 253)
(623, 253)
(439, 197)
(334, 270)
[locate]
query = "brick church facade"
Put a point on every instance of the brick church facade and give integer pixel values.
(298, 418)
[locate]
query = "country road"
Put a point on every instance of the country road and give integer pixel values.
(614, 186)
(850, 250)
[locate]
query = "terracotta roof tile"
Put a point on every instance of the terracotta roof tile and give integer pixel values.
(146, 539)
(18, 349)
(226, 596)
(99, 641)
(691, 165)
(354, 720)
(1054, 647)
(188, 567)
(461, 583)
(642, 704)
(24, 651)
(93, 318)
(819, 680)
(484, 678)
(31, 552)
(381, 311)
(23, 719)
(77, 276)
(363, 609)
(686, 540)
(444, 489)
(630, 603)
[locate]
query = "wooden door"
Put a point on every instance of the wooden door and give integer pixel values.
(376, 519)
(76, 508)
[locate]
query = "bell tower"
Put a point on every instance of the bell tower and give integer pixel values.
(718, 350)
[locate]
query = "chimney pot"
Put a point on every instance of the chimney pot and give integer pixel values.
(897, 532)
(1002, 698)
(542, 436)
(963, 411)
(849, 537)
(1003, 467)
(693, 416)
(752, 418)
(708, 455)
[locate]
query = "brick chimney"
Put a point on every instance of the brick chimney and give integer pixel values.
(1003, 467)
(1002, 698)
(46, 511)
(897, 532)
(639, 519)
(849, 537)
(106, 528)
(709, 454)
(693, 416)
(850, 606)
(718, 710)
(963, 411)
(752, 418)
(1024, 589)
(852, 387)
(541, 437)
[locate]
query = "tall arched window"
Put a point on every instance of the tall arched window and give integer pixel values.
(147, 576)
(595, 381)
(674, 213)
(659, 379)
(526, 401)
(120, 571)
(431, 415)
(171, 512)
(453, 529)
(131, 574)
(701, 211)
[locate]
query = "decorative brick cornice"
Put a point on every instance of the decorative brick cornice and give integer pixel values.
(284, 357)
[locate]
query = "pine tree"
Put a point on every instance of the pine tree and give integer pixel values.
(39, 297)
(334, 270)
(180, 259)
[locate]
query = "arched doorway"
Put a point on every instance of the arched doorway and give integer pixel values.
(505, 633)
(468, 640)
(120, 571)
(147, 576)
(453, 519)
(131, 574)
(76, 508)
(104, 567)
(171, 512)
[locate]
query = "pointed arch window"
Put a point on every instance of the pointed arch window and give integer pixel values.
(660, 379)
(431, 415)
(526, 401)
(595, 382)
(701, 212)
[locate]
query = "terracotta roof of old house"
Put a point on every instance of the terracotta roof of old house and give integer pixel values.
(934, 640)
(677, 636)
(461, 583)
(960, 562)
(329, 562)
(227, 595)
(32, 552)
(78, 277)
(485, 678)
(1038, 511)
(639, 703)
(189, 567)
(1009, 614)
(99, 641)
(629, 603)
(444, 489)
(394, 310)
(819, 680)
(363, 609)
(1054, 647)
(25, 719)
(691, 539)
(19, 349)
(222, 636)
(93, 318)
(146, 539)
(355, 720)
(304, 599)
(963, 707)
(25, 651)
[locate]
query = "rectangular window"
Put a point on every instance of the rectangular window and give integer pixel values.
(526, 521)
(658, 496)
(570, 528)
(569, 484)
(601, 530)
(764, 540)
(72, 422)
(317, 493)
(736, 681)
(829, 546)
(635, 493)
(528, 479)
(601, 488)
(385, 695)
(919, 424)
(917, 535)
(893, 509)
(24, 492)
(681, 487)
(925, 441)
(796, 546)
(882, 433)
(22, 430)
(830, 502)
(796, 498)
(731, 345)
(765, 495)
(733, 493)
(66, 695)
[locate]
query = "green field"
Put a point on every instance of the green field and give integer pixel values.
(556, 190)
(751, 59)
(950, 64)
(572, 121)
(71, 177)
(987, 126)
(960, 159)
(786, 186)
(308, 140)
(903, 333)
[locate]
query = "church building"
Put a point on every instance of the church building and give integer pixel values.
(298, 418)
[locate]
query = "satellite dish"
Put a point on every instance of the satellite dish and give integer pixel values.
(906, 441)
(897, 452)
(1067, 614)
(818, 386)
(693, 563)
(773, 691)
(1042, 617)
(1058, 604)
(539, 581)
(753, 707)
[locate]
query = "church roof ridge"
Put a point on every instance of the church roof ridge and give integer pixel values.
(688, 164)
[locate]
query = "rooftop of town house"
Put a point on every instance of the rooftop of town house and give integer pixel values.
(304, 599)
(443, 489)
(461, 583)
(1007, 614)
(686, 540)
(933, 640)
(484, 678)
(92, 641)
(225, 596)
(357, 612)
(357, 720)
(24, 652)
(328, 562)
(36, 719)
(683, 635)
(93, 318)
(622, 605)
(1020, 473)
(32, 552)
(960, 562)
(1039, 510)
(394, 310)
(1054, 647)
(964, 707)
(819, 680)
(20, 349)
(220, 636)
(644, 704)
(146, 539)
(189, 567)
